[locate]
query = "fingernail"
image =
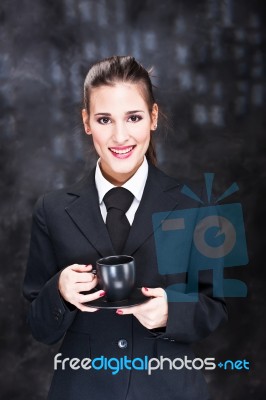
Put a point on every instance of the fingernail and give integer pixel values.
(146, 289)
(102, 294)
(89, 265)
(120, 312)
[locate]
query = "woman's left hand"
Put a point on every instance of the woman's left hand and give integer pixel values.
(152, 314)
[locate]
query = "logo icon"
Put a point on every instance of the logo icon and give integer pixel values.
(209, 237)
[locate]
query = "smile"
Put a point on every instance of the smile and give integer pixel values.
(122, 152)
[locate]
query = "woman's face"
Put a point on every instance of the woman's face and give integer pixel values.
(120, 124)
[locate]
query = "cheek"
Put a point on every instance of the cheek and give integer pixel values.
(98, 135)
(145, 137)
(142, 132)
(97, 142)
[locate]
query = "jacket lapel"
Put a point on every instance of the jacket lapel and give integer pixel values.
(85, 213)
(160, 194)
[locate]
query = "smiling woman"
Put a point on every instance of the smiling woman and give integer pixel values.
(121, 128)
(74, 227)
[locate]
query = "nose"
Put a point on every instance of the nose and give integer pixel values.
(120, 133)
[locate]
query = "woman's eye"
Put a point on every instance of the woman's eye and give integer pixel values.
(134, 118)
(104, 120)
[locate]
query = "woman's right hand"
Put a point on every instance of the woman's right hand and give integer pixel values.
(75, 279)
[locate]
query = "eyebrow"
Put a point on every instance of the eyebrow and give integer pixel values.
(127, 113)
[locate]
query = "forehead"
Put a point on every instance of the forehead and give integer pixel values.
(121, 95)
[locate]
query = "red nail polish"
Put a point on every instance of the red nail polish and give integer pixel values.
(146, 289)
(120, 312)
(102, 294)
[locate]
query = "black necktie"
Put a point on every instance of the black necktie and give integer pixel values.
(117, 202)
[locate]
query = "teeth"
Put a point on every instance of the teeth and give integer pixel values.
(122, 151)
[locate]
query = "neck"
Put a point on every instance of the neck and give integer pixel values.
(118, 179)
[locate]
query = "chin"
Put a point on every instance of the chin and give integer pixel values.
(124, 171)
(127, 168)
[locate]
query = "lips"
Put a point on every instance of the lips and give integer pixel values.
(122, 152)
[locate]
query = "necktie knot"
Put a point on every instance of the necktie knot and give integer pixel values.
(119, 198)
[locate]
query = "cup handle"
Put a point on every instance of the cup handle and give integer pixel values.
(93, 271)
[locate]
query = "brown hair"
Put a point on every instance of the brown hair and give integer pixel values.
(121, 69)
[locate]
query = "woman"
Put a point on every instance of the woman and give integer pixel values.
(69, 234)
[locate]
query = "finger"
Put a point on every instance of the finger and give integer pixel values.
(83, 298)
(90, 309)
(83, 277)
(141, 309)
(127, 311)
(93, 284)
(153, 292)
(84, 286)
(81, 267)
(83, 308)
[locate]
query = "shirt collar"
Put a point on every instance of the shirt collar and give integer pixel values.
(135, 184)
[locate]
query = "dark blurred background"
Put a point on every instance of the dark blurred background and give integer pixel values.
(209, 69)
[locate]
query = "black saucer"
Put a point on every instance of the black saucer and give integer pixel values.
(135, 298)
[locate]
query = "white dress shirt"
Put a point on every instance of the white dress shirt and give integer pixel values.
(135, 185)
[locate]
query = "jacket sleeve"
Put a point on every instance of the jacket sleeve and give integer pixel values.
(193, 316)
(49, 317)
(193, 310)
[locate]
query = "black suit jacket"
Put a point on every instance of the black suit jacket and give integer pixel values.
(68, 228)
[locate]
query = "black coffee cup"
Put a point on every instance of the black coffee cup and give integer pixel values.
(116, 276)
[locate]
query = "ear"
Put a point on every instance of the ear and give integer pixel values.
(154, 116)
(85, 118)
